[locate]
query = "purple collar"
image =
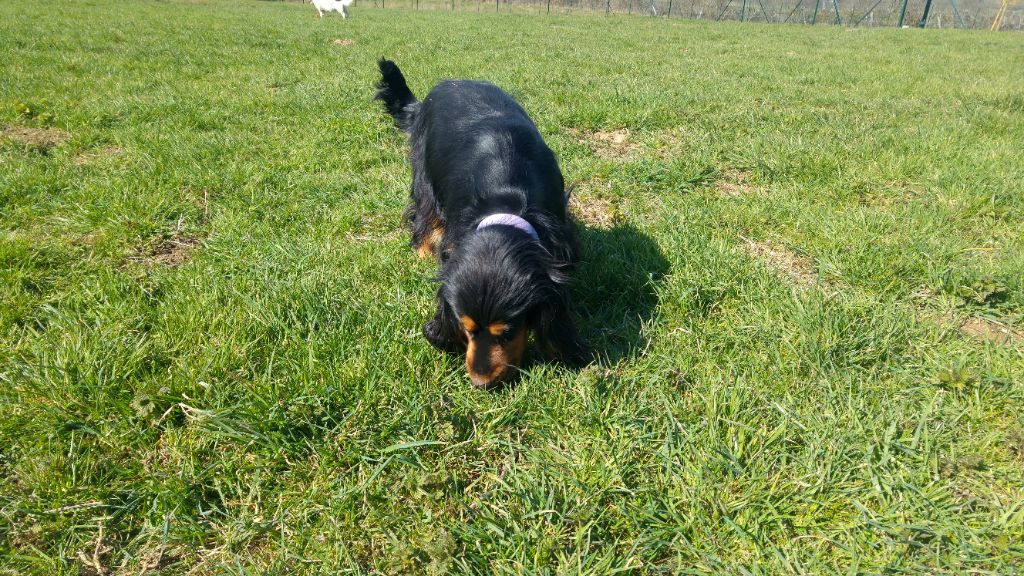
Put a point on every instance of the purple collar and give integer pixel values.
(508, 220)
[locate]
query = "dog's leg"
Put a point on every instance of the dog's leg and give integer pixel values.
(344, 12)
(430, 244)
(422, 215)
(427, 228)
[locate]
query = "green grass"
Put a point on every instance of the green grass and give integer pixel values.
(798, 266)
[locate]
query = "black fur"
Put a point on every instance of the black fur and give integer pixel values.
(395, 93)
(475, 152)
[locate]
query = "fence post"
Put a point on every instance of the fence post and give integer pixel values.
(763, 11)
(607, 7)
(669, 15)
(549, 6)
(924, 17)
(956, 12)
(630, 11)
(903, 13)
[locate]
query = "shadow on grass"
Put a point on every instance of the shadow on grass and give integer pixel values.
(613, 293)
(614, 289)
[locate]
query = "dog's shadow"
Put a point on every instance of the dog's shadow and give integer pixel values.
(614, 289)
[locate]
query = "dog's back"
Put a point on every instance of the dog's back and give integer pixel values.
(476, 145)
(481, 143)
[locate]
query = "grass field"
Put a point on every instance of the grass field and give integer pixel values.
(804, 260)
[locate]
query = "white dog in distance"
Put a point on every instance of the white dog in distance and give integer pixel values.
(339, 6)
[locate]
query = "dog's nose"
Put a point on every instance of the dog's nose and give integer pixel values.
(486, 382)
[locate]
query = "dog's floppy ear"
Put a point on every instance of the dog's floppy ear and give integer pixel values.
(444, 332)
(556, 335)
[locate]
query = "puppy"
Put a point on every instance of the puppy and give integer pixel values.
(489, 202)
(339, 6)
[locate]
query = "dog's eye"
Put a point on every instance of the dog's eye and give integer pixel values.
(505, 334)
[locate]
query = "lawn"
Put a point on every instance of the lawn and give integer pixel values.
(804, 280)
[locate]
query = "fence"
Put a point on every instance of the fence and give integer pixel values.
(977, 14)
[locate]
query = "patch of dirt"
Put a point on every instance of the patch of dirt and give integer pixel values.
(171, 251)
(798, 269)
(668, 142)
(154, 558)
(995, 332)
(589, 206)
(887, 194)
(93, 559)
(928, 306)
(614, 145)
(90, 156)
(161, 458)
(39, 139)
(908, 188)
(941, 310)
(894, 192)
(596, 212)
(921, 295)
(344, 42)
(735, 183)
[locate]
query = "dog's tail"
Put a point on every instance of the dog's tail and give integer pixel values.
(395, 93)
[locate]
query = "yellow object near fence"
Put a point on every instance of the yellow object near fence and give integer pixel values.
(998, 21)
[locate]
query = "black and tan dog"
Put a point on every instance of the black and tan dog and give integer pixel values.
(488, 200)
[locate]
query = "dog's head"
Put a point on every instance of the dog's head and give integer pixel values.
(498, 285)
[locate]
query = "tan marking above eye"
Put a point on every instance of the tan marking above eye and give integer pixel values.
(497, 329)
(468, 323)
